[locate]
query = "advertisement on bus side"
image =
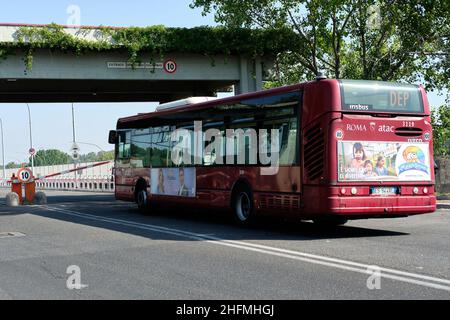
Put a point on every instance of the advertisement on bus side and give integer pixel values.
(173, 181)
(375, 161)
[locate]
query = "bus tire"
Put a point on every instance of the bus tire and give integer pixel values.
(142, 200)
(330, 221)
(242, 205)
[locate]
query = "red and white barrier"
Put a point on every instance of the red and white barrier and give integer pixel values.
(98, 184)
(54, 181)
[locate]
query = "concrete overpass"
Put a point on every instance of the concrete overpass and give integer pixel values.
(57, 76)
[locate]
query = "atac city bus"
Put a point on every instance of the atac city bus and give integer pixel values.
(347, 149)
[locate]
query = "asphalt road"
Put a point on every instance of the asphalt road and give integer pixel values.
(122, 254)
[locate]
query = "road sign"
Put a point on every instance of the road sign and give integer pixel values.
(75, 155)
(32, 151)
(24, 175)
(170, 66)
(75, 151)
(75, 147)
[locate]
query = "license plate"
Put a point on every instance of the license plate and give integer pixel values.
(383, 191)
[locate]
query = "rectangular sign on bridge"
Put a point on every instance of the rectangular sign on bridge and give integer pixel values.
(129, 65)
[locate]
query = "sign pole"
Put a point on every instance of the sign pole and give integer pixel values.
(31, 139)
(74, 147)
(3, 150)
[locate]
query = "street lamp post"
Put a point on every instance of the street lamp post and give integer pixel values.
(31, 140)
(74, 146)
(91, 144)
(3, 150)
(73, 124)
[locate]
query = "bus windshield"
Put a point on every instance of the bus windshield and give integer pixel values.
(360, 95)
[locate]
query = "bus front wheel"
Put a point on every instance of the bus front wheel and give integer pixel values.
(243, 205)
(141, 200)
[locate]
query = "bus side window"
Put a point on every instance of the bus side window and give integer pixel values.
(124, 145)
(288, 143)
(287, 129)
(215, 157)
(140, 148)
(161, 148)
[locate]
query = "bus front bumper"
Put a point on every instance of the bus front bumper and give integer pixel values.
(377, 205)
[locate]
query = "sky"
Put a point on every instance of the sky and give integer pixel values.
(52, 123)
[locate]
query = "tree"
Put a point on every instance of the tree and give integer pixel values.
(51, 157)
(359, 39)
(441, 130)
(105, 155)
(90, 157)
(95, 157)
(12, 165)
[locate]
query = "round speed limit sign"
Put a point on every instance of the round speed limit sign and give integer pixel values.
(170, 66)
(24, 175)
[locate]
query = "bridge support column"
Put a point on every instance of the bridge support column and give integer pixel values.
(251, 75)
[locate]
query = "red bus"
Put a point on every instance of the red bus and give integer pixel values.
(346, 149)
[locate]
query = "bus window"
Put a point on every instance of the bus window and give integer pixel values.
(288, 145)
(287, 132)
(160, 147)
(140, 148)
(244, 135)
(124, 145)
(211, 156)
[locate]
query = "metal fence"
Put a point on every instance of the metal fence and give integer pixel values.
(97, 176)
(96, 184)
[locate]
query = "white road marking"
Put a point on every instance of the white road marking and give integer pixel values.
(388, 273)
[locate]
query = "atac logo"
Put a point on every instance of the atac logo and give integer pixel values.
(385, 128)
(427, 136)
(339, 134)
(373, 127)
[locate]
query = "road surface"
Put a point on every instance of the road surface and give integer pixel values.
(123, 254)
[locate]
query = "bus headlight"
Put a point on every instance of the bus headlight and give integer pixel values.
(354, 191)
(343, 191)
(416, 190)
(425, 190)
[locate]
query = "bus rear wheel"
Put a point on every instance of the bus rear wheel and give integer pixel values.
(242, 205)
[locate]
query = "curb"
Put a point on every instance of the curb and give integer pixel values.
(443, 198)
(443, 206)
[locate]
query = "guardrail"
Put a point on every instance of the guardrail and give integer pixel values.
(82, 183)
(98, 184)
(95, 184)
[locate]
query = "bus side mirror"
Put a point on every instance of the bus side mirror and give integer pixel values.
(112, 139)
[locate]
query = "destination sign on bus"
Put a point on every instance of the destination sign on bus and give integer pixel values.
(380, 96)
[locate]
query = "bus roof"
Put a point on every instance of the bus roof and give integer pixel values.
(181, 110)
(210, 103)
